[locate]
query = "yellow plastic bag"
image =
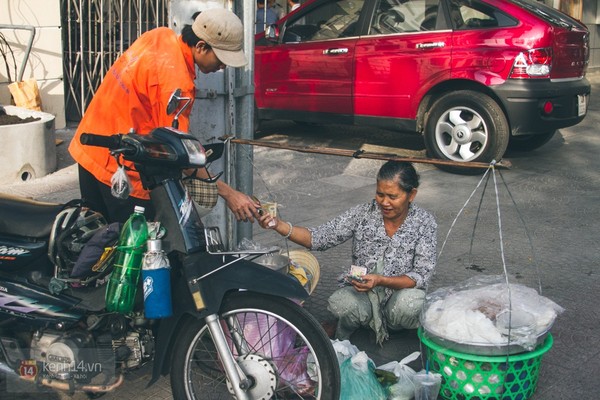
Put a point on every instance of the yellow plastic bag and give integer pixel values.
(26, 94)
(299, 273)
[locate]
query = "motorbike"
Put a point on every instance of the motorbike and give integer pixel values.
(237, 329)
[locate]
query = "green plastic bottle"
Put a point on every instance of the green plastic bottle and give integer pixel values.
(123, 282)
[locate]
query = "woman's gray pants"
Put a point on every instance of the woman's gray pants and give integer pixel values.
(353, 310)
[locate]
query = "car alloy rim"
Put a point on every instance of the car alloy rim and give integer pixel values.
(461, 134)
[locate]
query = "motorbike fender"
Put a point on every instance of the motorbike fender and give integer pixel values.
(242, 275)
(204, 275)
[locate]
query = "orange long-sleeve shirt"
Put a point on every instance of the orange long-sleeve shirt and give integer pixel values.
(134, 94)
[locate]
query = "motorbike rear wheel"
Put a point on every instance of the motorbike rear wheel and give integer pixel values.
(280, 347)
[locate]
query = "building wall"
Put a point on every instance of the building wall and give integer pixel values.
(45, 60)
(591, 17)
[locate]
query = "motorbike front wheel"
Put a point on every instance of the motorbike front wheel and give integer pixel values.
(278, 345)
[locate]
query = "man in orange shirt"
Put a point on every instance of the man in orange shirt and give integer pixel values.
(134, 95)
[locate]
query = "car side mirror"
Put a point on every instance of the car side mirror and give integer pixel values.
(272, 33)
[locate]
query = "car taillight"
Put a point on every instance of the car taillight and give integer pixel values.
(535, 63)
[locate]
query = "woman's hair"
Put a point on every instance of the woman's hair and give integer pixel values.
(401, 172)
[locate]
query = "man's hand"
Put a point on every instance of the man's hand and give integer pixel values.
(242, 207)
(240, 204)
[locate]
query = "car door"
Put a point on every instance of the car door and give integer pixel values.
(311, 69)
(407, 50)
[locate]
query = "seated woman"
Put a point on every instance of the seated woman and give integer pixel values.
(394, 239)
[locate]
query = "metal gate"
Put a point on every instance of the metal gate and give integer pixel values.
(95, 34)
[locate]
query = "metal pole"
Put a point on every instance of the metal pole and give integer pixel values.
(30, 28)
(102, 45)
(245, 112)
(81, 59)
(230, 121)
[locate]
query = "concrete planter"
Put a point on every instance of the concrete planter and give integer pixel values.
(28, 150)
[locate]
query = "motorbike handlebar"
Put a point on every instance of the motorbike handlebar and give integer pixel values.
(110, 142)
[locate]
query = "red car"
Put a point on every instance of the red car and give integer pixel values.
(472, 76)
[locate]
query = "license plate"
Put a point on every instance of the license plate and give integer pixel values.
(581, 104)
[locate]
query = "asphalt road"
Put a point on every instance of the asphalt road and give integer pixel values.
(548, 202)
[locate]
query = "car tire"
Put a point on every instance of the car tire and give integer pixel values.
(529, 142)
(465, 126)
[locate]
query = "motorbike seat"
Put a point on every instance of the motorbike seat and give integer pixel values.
(27, 217)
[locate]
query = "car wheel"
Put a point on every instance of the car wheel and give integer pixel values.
(529, 142)
(465, 126)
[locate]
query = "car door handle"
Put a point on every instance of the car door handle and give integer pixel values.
(342, 50)
(431, 45)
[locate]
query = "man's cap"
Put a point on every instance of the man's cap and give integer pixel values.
(223, 31)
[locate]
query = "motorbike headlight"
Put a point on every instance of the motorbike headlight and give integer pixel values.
(195, 151)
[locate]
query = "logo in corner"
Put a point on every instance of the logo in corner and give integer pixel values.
(28, 369)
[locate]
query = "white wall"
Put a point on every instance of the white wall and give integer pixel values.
(45, 61)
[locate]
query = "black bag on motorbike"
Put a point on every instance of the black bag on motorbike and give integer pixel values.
(94, 256)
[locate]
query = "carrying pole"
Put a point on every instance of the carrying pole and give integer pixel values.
(369, 154)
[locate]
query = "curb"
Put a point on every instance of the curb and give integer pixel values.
(64, 179)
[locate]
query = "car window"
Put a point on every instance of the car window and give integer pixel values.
(549, 14)
(393, 16)
(469, 14)
(331, 20)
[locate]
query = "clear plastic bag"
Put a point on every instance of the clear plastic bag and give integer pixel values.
(247, 244)
(120, 184)
(403, 388)
(427, 385)
(358, 379)
(483, 310)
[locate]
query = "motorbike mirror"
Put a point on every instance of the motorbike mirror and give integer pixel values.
(173, 101)
(173, 105)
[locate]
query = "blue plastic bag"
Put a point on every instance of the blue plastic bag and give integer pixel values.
(358, 379)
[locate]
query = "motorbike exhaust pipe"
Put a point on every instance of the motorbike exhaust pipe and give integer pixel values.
(64, 386)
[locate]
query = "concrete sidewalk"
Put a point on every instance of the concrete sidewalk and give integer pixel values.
(549, 236)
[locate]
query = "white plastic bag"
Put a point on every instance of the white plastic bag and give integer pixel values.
(120, 184)
(404, 388)
(343, 350)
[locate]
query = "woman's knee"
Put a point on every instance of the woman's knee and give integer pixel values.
(404, 309)
(347, 301)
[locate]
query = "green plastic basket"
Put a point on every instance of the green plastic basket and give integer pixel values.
(474, 377)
